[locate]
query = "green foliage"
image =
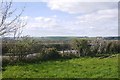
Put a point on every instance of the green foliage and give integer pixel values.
(19, 49)
(5, 61)
(94, 47)
(82, 46)
(49, 53)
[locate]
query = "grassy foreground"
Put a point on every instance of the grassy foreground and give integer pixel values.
(72, 68)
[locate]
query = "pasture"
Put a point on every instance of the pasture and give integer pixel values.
(85, 67)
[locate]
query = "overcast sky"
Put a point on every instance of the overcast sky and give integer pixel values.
(52, 18)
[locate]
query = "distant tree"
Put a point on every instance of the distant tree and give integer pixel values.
(82, 46)
(21, 48)
(108, 47)
(94, 48)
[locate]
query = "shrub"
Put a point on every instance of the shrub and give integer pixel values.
(49, 54)
(5, 61)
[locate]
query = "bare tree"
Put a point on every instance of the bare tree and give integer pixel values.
(9, 21)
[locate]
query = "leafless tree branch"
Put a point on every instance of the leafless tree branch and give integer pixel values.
(9, 23)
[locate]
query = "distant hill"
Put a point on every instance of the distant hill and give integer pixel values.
(57, 38)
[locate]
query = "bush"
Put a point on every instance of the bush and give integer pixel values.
(8, 60)
(21, 47)
(49, 54)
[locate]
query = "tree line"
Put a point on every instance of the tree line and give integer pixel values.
(20, 49)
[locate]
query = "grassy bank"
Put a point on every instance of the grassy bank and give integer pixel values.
(72, 68)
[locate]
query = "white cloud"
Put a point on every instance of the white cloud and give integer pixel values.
(41, 22)
(46, 22)
(101, 15)
(98, 19)
(99, 23)
(43, 19)
(24, 18)
(102, 22)
(74, 7)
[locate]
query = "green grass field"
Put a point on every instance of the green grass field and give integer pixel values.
(72, 68)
